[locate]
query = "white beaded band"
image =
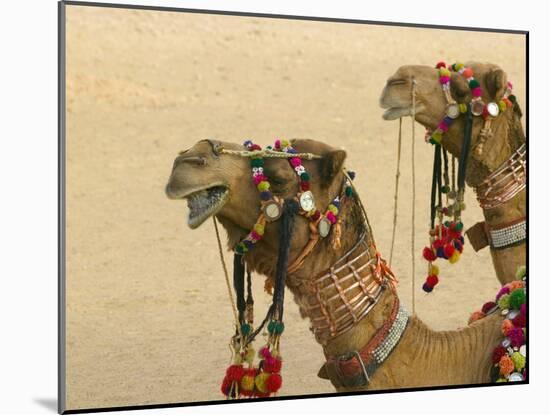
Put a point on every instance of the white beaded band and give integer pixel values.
(393, 337)
(511, 235)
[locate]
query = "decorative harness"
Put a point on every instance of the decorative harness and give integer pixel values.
(342, 297)
(446, 239)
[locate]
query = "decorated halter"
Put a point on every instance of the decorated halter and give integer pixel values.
(446, 238)
(244, 379)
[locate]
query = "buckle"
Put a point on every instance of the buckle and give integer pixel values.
(338, 376)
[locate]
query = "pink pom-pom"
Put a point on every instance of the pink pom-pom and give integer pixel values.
(295, 161)
(516, 337)
(264, 352)
(444, 79)
(277, 144)
(509, 85)
(443, 127)
(523, 309)
(255, 235)
(258, 178)
(476, 92)
(503, 290)
(331, 217)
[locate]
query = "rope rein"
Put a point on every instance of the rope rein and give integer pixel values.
(396, 193)
(413, 213)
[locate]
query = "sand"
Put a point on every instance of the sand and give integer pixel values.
(148, 317)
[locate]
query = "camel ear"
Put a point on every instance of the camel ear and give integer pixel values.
(495, 81)
(331, 164)
(459, 86)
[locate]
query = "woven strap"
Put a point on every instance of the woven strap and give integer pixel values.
(355, 369)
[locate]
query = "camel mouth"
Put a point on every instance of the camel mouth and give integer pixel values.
(395, 113)
(205, 203)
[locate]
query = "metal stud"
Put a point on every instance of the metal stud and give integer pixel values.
(324, 227)
(477, 107)
(493, 109)
(272, 210)
(453, 110)
(307, 201)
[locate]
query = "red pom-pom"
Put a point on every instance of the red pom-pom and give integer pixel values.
(432, 280)
(440, 65)
(304, 186)
(264, 352)
(274, 382)
(235, 373)
(498, 353)
(488, 307)
(520, 320)
(254, 147)
(438, 243)
(467, 73)
(272, 365)
(226, 386)
(448, 250)
(428, 254)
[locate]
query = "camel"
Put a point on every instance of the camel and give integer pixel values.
(507, 137)
(217, 184)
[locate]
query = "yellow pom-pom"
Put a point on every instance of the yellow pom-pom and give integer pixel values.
(284, 143)
(260, 381)
(502, 106)
(463, 108)
(458, 66)
(504, 302)
(247, 383)
(333, 209)
(437, 136)
(259, 228)
(454, 257)
(519, 360)
(435, 270)
(444, 72)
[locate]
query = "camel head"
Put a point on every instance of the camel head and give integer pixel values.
(431, 105)
(219, 184)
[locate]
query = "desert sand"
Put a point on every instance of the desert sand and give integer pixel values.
(148, 317)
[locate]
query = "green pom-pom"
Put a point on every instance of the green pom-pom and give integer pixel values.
(512, 99)
(445, 189)
(279, 327)
(246, 329)
(271, 327)
(304, 177)
(519, 360)
(521, 272)
(459, 226)
(517, 298)
(447, 224)
(474, 83)
(349, 191)
(504, 302)
(258, 162)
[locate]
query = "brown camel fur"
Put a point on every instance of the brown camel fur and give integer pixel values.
(507, 130)
(423, 357)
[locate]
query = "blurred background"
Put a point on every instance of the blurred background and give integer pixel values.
(148, 317)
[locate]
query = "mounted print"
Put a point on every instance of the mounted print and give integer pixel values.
(261, 207)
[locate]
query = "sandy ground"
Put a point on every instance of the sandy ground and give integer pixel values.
(148, 318)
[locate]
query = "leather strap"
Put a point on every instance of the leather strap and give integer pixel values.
(313, 239)
(355, 369)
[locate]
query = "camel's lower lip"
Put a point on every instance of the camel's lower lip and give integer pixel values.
(205, 203)
(396, 112)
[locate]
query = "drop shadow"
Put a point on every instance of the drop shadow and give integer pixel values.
(48, 403)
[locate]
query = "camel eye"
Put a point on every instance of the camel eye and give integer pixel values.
(394, 82)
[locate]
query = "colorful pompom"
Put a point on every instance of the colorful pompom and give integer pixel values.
(498, 353)
(517, 298)
(488, 306)
(519, 360)
(273, 382)
(506, 326)
(476, 315)
(428, 254)
(506, 365)
(260, 382)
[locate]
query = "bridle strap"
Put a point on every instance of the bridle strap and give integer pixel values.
(313, 239)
